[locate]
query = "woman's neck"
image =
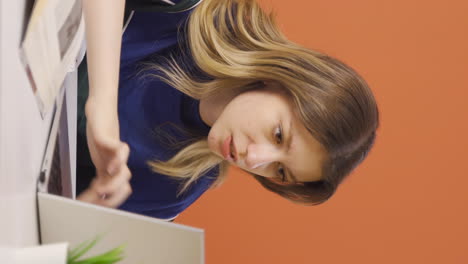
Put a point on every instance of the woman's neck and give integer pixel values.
(211, 107)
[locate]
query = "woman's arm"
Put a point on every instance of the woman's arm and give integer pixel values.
(104, 20)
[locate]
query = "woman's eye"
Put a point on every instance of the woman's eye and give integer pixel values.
(281, 173)
(278, 135)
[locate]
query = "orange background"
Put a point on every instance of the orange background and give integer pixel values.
(408, 202)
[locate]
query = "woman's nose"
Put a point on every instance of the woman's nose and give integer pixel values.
(260, 154)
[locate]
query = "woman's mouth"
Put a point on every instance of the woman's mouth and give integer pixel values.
(228, 149)
(233, 150)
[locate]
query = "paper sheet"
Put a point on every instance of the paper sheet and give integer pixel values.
(51, 47)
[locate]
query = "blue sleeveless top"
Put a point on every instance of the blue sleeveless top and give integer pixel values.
(146, 103)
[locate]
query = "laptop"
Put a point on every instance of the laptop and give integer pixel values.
(146, 240)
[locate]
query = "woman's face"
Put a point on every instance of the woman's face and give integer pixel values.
(259, 132)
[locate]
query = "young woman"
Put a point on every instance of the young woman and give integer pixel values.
(218, 86)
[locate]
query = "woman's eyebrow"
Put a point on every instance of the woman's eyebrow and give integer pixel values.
(289, 139)
(289, 135)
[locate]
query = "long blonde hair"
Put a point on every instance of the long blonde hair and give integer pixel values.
(235, 44)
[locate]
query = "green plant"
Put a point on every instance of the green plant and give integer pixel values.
(109, 257)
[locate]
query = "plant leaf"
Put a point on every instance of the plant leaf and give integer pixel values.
(109, 257)
(81, 249)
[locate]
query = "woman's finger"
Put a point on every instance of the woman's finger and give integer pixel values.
(113, 200)
(110, 184)
(89, 196)
(118, 197)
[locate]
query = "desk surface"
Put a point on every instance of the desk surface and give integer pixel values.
(23, 133)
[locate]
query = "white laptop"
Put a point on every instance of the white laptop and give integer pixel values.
(147, 240)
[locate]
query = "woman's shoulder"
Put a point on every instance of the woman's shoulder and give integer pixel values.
(147, 33)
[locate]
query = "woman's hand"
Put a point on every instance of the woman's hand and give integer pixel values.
(111, 186)
(116, 191)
